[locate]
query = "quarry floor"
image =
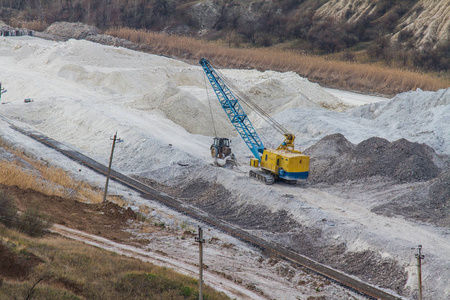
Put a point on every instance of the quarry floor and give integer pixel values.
(157, 106)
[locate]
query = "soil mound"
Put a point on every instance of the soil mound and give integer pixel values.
(334, 159)
(71, 30)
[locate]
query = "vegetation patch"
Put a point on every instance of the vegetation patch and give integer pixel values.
(27, 172)
(141, 285)
(56, 268)
(31, 222)
(340, 74)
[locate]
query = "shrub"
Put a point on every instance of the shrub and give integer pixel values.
(381, 48)
(434, 58)
(8, 210)
(326, 35)
(33, 223)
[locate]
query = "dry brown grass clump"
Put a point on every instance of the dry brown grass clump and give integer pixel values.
(339, 74)
(51, 181)
(36, 25)
(29, 173)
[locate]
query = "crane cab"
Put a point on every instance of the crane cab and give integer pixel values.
(287, 165)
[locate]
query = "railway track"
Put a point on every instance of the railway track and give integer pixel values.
(369, 291)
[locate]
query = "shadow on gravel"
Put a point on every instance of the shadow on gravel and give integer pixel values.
(429, 202)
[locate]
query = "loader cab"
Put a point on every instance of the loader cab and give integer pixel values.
(220, 147)
(220, 142)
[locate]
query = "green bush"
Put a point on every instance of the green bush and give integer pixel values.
(33, 223)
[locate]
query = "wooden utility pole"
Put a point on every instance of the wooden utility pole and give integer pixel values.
(419, 257)
(2, 90)
(109, 167)
(200, 242)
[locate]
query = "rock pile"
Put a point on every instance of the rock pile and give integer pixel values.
(71, 30)
(66, 30)
(334, 159)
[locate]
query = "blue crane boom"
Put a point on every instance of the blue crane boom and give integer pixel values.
(234, 111)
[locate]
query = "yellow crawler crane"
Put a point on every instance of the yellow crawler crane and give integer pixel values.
(285, 162)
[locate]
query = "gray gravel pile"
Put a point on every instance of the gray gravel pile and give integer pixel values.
(334, 159)
(65, 30)
(71, 30)
(111, 41)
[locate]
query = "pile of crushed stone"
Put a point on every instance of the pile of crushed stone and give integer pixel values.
(282, 228)
(334, 159)
(63, 31)
(71, 30)
(429, 202)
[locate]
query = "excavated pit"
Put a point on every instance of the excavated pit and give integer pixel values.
(161, 149)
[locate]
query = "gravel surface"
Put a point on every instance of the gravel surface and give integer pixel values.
(429, 202)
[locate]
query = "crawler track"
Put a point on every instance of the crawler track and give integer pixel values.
(265, 177)
(363, 288)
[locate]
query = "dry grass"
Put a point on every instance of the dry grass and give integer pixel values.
(145, 209)
(73, 270)
(27, 172)
(49, 180)
(36, 25)
(13, 174)
(352, 76)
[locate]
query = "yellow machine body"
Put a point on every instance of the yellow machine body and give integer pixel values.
(254, 162)
(286, 164)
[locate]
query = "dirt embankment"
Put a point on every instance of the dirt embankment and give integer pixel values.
(17, 266)
(106, 219)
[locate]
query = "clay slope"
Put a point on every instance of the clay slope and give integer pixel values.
(427, 20)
